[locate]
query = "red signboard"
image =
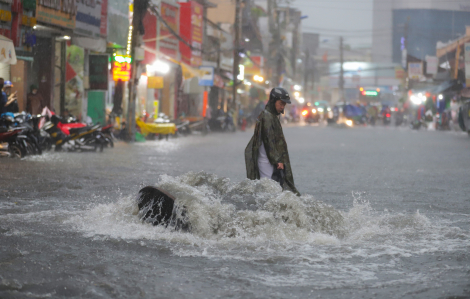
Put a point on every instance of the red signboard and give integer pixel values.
(254, 66)
(104, 18)
(121, 71)
(168, 43)
(191, 30)
(150, 38)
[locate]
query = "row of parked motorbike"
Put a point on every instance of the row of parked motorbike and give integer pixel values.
(23, 134)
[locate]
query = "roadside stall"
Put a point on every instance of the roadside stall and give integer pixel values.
(163, 129)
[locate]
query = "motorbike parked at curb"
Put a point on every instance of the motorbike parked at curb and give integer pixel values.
(81, 138)
(26, 135)
(15, 147)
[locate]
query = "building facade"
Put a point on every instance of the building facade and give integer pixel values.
(416, 26)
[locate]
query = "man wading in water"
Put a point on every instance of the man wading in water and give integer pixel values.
(266, 155)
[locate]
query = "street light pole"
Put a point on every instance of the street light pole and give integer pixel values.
(140, 7)
(236, 45)
(341, 70)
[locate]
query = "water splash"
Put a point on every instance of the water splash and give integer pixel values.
(256, 220)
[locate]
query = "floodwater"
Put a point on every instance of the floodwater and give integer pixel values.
(384, 214)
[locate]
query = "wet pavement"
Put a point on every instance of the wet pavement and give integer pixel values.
(68, 224)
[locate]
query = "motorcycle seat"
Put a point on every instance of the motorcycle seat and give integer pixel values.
(78, 130)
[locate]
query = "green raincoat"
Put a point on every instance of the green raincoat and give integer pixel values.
(268, 130)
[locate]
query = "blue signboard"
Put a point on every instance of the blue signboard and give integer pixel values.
(208, 78)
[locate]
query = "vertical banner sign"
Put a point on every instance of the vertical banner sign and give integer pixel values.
(467, 63)
(98, 70)
(431, 65)
(205, 100)
(415, 70)
(191, 30)
(74, 88)
(104, 18)
(169, 44)
(404, 56)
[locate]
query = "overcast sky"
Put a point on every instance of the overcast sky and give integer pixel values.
(351, 19)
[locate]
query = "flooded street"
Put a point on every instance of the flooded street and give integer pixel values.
(384, 213)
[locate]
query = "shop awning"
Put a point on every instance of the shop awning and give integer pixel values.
(93, 44)
(7, 51)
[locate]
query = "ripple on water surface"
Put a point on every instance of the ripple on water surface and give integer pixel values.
(253, 221)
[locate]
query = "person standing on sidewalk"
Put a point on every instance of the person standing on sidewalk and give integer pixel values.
(266, 154)
(34, 101)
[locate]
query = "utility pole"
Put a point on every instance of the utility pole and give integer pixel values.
(140, 7)
(63, 61)
(457, 59)
(236, 46)
(295, 42)
(341, 70)
(404, 55)
(306, 71)
(277, 39)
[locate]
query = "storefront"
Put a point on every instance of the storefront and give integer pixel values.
(161, 62)
(84, 95)
(24, 38)
(191, 29)
(54, 28)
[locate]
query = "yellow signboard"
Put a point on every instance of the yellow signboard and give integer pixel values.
(62, 15)
(154, 82)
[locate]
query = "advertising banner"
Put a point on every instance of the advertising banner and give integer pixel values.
(121, 71)
(7, 51)
(59, 12)
(74, 89)
(169, 44)
(431, 65)
(155, 82)
(98, 72)
(254, 66)
(88, 18)
(191, 30)
(415, 70)
(104, 18)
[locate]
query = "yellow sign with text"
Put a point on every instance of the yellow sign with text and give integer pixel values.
(59, 16)
(155, 82)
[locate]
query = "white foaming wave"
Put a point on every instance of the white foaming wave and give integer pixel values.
(254, 220)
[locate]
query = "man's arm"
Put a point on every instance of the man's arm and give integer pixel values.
(11, 98)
